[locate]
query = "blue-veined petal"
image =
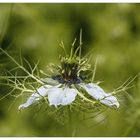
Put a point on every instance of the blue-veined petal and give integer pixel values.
(98, 93)
(41, 92)
(61, 96)
(110, 101)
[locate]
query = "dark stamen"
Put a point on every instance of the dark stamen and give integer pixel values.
(60, 79)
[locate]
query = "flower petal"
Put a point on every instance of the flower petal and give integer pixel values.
(110, 101)
(94, 90)
(60, 96)
(98, 93)
(42, 91)
(50, 81)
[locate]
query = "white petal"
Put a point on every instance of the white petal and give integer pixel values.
(60, 96)
(50, 81)
(98, 93)
(110, 101)
(94, 90)
(68, 96)
(42, 91)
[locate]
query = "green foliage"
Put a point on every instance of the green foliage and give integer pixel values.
(110, 33)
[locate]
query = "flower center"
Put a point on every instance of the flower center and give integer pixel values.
(71, 69)
(69, 72)
(61, 80)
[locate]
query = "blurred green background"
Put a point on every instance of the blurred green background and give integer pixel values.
(111, 33)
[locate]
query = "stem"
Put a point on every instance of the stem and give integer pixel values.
(32, 76)
(94, 71)
(80, 43)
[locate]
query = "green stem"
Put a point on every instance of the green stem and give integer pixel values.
(32, 76)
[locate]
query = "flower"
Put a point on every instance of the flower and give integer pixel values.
(69, 80)
(64, 95)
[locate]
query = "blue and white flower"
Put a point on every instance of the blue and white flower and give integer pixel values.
(68, 81)
(64, 94)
